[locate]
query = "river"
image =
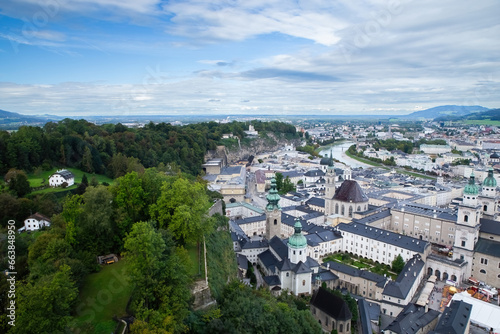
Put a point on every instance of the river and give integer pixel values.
(338, 150)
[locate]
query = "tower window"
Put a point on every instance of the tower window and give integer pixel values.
(466, 218)
(463, 243)
(485, 208)
(276, 222)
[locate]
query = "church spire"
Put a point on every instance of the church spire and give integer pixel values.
(273, 197)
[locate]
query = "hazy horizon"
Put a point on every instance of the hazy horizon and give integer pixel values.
(94, 57)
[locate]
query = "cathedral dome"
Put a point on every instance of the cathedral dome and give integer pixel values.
(471, 188)
(490, 180)
(297, 240)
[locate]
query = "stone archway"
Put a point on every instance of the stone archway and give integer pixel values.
(445, 276)
(438, 274)
(429, 271)
(454, 278)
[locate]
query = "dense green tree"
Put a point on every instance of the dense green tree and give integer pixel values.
(398, 264)
(182, 208)
(159, 273)
(45, 306)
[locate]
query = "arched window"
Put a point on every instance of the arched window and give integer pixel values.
(359, 208)
(287, 274)
(341, 328)
(482, 271)
(304, 282)
(485, 208)
(466, 218)
(350, 211)
(343, 210)
(336, 208)
(347, 328)
(276, 222)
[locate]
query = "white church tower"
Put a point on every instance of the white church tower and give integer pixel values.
(489, 197)
(329, 187)
(467, 227)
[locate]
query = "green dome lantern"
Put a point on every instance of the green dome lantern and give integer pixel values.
(471, 188)
(490, 180)
(297, 240)
(273, 198)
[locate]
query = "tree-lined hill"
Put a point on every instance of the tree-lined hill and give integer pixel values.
(448, 110)
(114, 149)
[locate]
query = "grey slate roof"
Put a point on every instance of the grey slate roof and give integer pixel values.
(324, 276)
(272, 280)
(252, 219)
(489, 226)
(388, 237)
(454, 319)
(242, 261)
(364, 316)
(279, 247)
(331, 304)
(427, 210)
(268, 259)
(489, 247)
(374, 217)
(316, 201)
(314, 172)
(255, 244)
(412, 319)
(301, 268)
(66, 174)
(350, 191)
(402, 285)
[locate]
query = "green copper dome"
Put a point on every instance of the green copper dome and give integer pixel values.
(471, 188)
(273, 198)
(490, 180)
(297, 240)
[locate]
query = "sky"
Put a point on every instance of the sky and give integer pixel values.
(273, 57)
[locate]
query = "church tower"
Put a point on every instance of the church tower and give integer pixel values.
(467, 227)
(297, 244)
(273, 212)
(329, 187)
(489, 198)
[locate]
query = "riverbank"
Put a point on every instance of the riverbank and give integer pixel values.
(338, 151)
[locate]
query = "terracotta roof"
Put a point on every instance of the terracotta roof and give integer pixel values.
(350, 191)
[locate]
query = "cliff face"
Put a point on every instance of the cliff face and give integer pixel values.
(254, 146)
(243, 149)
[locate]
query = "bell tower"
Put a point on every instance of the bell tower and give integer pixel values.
(273, 212)
(467, 226)
(329, 186)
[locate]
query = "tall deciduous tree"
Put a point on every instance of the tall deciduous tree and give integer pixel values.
(44, 307)
(182, 208)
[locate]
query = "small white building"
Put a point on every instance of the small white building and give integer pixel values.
(61, 176)
(36, 222)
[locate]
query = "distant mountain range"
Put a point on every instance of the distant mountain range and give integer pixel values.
(490, 114)
(13, 118)
(450, 110)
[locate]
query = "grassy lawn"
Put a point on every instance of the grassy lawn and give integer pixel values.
(416, 174)
(197, 265)
(37, 180)
(361, 263)
(366, 161)
(105, 294)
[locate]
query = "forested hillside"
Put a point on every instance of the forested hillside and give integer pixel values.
(114, 149)
(151, 215)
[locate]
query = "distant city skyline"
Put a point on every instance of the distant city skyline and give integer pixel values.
(108, 57)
